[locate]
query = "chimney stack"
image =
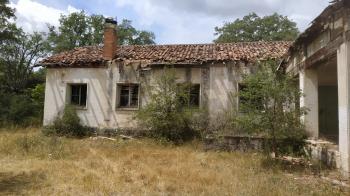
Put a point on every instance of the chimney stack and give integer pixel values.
(110, 39)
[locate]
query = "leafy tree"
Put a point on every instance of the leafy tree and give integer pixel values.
(128, 35)
(17, 57)
(38, 98)
(269, 106)
(18, 53)
(79, 29)
(75, 30)
(6, 13)
(165, 114)
(255, 28)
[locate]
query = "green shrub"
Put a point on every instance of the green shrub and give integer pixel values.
(22, 109)
(269, 107)
(67, 125)
(165, 115)
(18, 110)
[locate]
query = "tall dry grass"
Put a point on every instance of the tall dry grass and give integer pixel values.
(33, 164)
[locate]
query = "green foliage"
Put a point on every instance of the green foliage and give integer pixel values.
(79, 29)
(38, 98)
(75, 30)
(128, 35)
(17, 58)
(6, 13)
(22, 109)
(17, 78)
(165, 115)
(255, 28)
(67, 125)
(270, 106)
(19, 51)
(19, 110)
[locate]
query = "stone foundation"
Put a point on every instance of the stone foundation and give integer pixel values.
(324, 151)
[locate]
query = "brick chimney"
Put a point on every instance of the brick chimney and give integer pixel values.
(110, 39)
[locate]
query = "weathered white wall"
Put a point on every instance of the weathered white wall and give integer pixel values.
(224, 81)
(309, 86)
(57, 81)
(101, 110)
(343, 66)
(336, 31)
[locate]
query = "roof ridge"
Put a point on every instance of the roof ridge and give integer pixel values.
(205, 44)
(199, 44)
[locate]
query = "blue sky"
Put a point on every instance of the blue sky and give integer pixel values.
(173, 21)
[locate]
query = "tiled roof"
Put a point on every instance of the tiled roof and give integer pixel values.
(172, 54)
(318, 24)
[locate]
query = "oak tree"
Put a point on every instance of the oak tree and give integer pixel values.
(252, 27)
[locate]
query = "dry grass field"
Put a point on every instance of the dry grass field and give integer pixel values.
(32, 164)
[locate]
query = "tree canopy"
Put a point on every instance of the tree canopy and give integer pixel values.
(79, 29)
(17, 58)
(252, 27)
(21, 88)
(6, 13)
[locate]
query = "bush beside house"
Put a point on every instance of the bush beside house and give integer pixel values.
(168, 114)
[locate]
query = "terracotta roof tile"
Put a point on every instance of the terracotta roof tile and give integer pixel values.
(172, 54)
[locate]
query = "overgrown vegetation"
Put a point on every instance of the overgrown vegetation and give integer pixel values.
(167, 114)
(67, 125)
(32, 164)
(269, 107)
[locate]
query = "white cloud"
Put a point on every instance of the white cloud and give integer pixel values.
(72, 9)
(193, 21)
(173, 21)
(177, 26)
(33, 16)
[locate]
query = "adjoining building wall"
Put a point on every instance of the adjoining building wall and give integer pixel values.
(218, 87)
(321, 58)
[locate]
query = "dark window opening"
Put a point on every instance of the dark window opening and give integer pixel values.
(128, 95)
(78, 94)
(194, 95)
(191, 96)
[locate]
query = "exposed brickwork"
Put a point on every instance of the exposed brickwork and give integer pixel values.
(110, 41)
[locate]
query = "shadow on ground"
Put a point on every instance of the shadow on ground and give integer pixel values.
(12, 183)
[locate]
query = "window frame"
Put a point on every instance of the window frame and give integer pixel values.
(118, 96)
(191, 85)
(69, 97)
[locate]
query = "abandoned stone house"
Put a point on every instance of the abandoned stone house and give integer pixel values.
(105, 82)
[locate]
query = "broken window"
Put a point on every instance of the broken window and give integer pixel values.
(78, 94)
(192, 95)
(128, 95)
